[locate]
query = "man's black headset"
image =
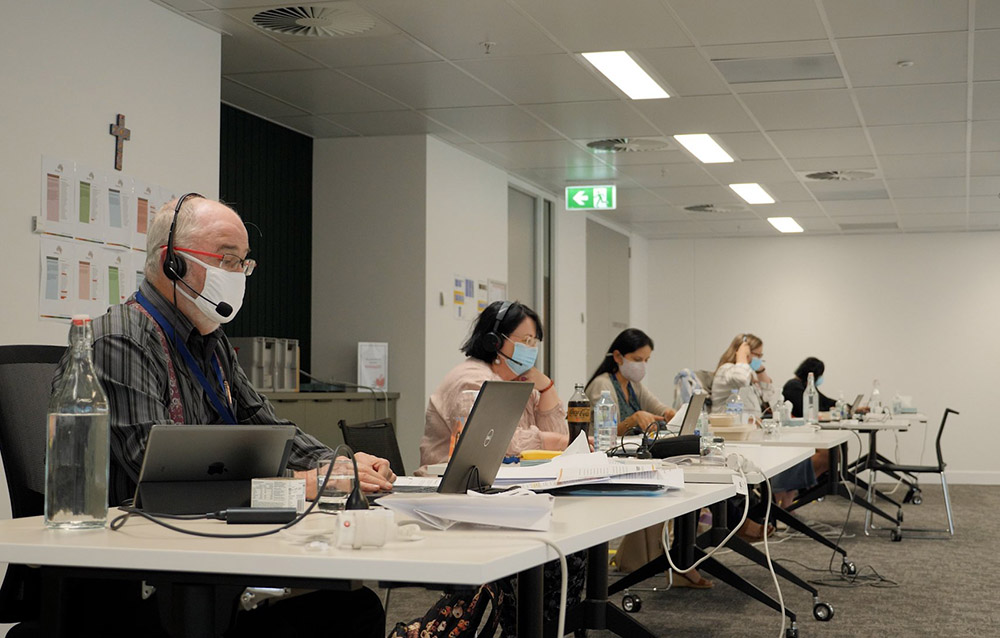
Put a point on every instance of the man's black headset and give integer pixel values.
(174, 267)
(493, 340)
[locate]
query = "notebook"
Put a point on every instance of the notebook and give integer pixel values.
(195, 469)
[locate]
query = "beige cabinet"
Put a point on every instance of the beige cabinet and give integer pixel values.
(318, 413)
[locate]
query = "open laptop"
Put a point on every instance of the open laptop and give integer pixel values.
(195, 469)
(690, 422)
(481, 447)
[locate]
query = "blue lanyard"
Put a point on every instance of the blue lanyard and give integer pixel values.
(225, 411)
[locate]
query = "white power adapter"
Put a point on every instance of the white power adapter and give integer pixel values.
(371, 528)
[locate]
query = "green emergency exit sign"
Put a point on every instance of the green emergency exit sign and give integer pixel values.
(590, 198)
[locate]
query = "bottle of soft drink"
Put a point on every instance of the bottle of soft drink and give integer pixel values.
(810, 402)
(578, 414)
(77, 443)
(734, 406)
(605, 422)
(875, 403)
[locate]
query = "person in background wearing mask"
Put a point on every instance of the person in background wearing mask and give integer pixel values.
(163, 358)
(796, 386)
(621, 372)
(503, 346)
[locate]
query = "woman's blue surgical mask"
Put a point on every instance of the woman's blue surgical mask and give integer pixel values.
(756, 364)
(523, 358)
(819, 381)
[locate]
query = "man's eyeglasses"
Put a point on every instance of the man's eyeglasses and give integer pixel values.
(229, 262)
(529, 340)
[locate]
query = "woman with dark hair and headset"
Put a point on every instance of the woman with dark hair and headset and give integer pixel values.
(503, 346)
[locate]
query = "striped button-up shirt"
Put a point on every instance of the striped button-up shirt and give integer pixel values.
(132, 367)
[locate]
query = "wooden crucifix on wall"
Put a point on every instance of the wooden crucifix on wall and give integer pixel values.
(121, 134)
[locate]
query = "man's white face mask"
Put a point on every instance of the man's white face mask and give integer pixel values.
(222, 287)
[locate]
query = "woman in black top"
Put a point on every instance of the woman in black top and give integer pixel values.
(797, 385)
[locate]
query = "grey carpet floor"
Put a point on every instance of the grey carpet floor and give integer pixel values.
(932, 587)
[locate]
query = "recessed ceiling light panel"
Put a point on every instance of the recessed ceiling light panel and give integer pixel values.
(626, 74)
(706, 149)
(785, 224)
(752, 193)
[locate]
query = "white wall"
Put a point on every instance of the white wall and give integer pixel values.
(69, 68)
(466, 236)
(918, 312)
(569, 299)
(369, 200)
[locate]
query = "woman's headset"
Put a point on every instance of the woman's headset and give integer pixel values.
(174, 267)
(493, 340)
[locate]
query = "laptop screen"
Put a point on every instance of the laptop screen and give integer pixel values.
(690, 421)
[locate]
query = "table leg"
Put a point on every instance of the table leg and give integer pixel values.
(530, 593)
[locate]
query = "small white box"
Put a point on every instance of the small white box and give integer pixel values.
(278, 492)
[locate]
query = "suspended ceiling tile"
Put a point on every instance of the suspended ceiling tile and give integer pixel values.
(633, 196)
(672, 230)
(787, 191)
(662, 213)
(387, 123)
(741, 228)
(795, 209)
(917, 104)
(702, 114)
(987, 51)
(818, 225)
(351, 52)
(927, 187)
(254, 102)
(984, 186)
(868, 224)
(814, 164)
(859, 207)
(937, 222)
(541, 79)
(737, 21)
(751, 171)
(488, 155)
(494, 123)
(907, 206)
(984, 221)
(594, 120)
(986, 101)
(566, 176)
(803, 109)
(832, 142)
(925, 165)
(685, 71)
(319, 91)
(773, 49)
(791, 85)
(909, 139)
(543, 154)
(314, 126)
(985, 163)
(984, 204)
(426, 85)
(647, 157)
(477, 21)
(598, 25)
(937, 58)
(249, 51)
(691, 195)
(748, 146)
(986, 136)
(653, 176)
(850, 18)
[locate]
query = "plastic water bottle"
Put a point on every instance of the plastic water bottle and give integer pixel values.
(810, 402)
(839, 411)
(875, 403)
(77, 444)
(734, 407)
(605, 422)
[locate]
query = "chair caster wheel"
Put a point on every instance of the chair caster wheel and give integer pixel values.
(631, 603)
(848, 568)
(792, 632)
(822, 612)
(896, 536)
(917, 499)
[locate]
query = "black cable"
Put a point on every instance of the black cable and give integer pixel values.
(119, 521)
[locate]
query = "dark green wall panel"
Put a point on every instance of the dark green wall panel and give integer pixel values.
(266, 175)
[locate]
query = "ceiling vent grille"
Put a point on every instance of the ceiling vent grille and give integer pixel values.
(630, 145)
(839, 175)
(315, 22)
(714, 208)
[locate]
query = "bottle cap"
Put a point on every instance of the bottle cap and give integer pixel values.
(79, 320)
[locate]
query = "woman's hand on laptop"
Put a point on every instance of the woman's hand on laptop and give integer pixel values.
(374, 473)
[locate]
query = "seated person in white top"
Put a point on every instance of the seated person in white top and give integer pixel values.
(621, 372)
(741, 367)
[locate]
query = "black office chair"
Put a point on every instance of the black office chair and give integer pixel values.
(899, 468)
(25, 385)
(375, 437)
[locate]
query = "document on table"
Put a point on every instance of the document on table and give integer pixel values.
(517, 509)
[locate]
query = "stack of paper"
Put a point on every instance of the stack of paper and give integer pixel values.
(517, 509)
(590, 469)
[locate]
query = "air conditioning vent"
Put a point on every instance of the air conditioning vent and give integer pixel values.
(630, 145)
(868, 226)
(714, 208)
(839, 176)
(315, 21)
